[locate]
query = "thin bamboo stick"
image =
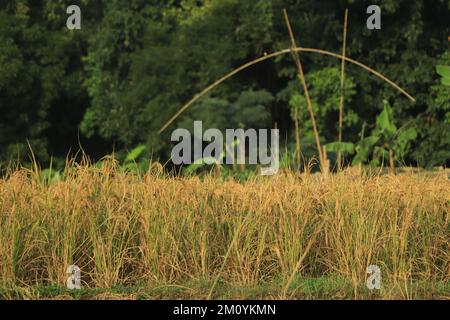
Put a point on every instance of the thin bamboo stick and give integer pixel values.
(341, 104)
(298, 63)
(297, 140)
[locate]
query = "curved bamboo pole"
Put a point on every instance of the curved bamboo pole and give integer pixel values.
(273, 55)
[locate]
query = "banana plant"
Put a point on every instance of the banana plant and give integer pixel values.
(204, 162)
(132, 162)
(444, 72)
(385, 142)
(344, 148)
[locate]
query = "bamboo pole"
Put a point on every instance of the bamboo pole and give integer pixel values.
(341, 104)
(271, 56)
(297, 140)
(298, 63)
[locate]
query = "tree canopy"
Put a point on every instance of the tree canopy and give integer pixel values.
(133, 64)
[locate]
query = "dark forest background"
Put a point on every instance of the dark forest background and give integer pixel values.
(134, 63)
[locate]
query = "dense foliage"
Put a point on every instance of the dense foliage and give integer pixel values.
(114, 83)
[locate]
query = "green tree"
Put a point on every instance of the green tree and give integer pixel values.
(140, 60)
(41, 101)
(325, 91)
(387, 142)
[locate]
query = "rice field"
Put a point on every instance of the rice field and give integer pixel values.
(290, 236)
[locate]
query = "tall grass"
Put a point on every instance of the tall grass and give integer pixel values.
(154, 230)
